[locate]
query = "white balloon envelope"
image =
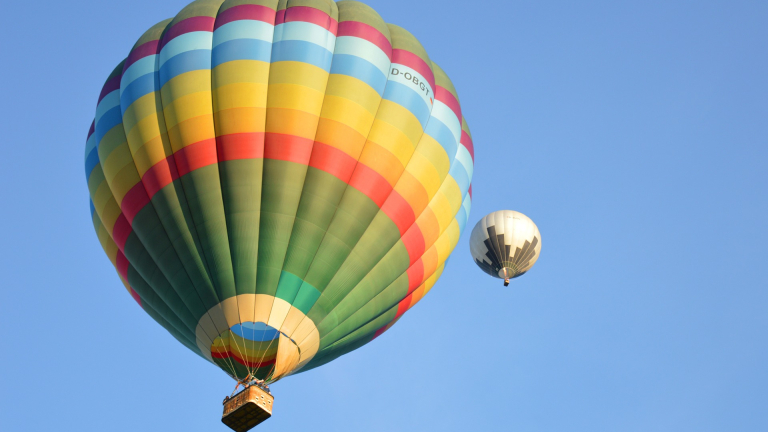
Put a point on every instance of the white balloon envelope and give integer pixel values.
(505, 244)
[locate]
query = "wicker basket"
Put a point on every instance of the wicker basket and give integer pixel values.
(247, 409)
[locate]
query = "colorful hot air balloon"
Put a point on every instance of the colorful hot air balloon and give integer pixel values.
(277, 182)
(505, 244)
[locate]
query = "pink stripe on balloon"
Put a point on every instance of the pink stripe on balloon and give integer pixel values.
(466, 141)
(144, 50)
(245, 12)
(414, 62)
(189, 25)
(369, 33)
(307, 14)
(447, 98)
(111, 85)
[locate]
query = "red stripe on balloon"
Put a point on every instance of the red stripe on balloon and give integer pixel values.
(414, 243)
(398, 209)
(133, 201)
(245, 12)
(403, 306)
(229, 354)
(274, 146)
(121, 231)
(415, 275)
(307, 14)
(240, 146)
(287, 147)
(195, 156)
(381, 331)
(414, 62)
(369, 33)
(370, 183)
(160, 175)
(333, 161)
(136, 296)
(122, 265)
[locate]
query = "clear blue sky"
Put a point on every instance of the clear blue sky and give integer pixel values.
(635, 133)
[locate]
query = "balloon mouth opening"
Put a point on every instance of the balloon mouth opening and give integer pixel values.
(507, 273)
(256, 349)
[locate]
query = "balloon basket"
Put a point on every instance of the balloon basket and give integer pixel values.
(247, 409)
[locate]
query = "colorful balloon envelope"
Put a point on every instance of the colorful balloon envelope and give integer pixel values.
(277, 182)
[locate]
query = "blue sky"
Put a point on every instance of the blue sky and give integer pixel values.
(633, 133)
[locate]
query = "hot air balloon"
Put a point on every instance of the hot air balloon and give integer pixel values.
(277, 182)
(505, 244)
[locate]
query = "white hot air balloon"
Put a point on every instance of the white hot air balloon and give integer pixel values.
(505, 244)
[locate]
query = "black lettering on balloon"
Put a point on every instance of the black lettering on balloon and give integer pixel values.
(422, 85)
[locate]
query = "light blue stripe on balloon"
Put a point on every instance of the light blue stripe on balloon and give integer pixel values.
(302, 51)
(351, 45)
(241, 49)
(140, 87)
(110, 119)
(185, 62)
(90, 144)
(90, 162)
(461, 218)
(107, 103)
(465, 158)
(307, 32)
(354, 66)
(192, 41)
(443, 135)
(409, 99)
(243, 29)
(467, 206)
(140, 68)
(459, 174)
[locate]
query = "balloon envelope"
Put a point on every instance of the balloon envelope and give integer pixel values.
(277, 182)
(505, 244)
